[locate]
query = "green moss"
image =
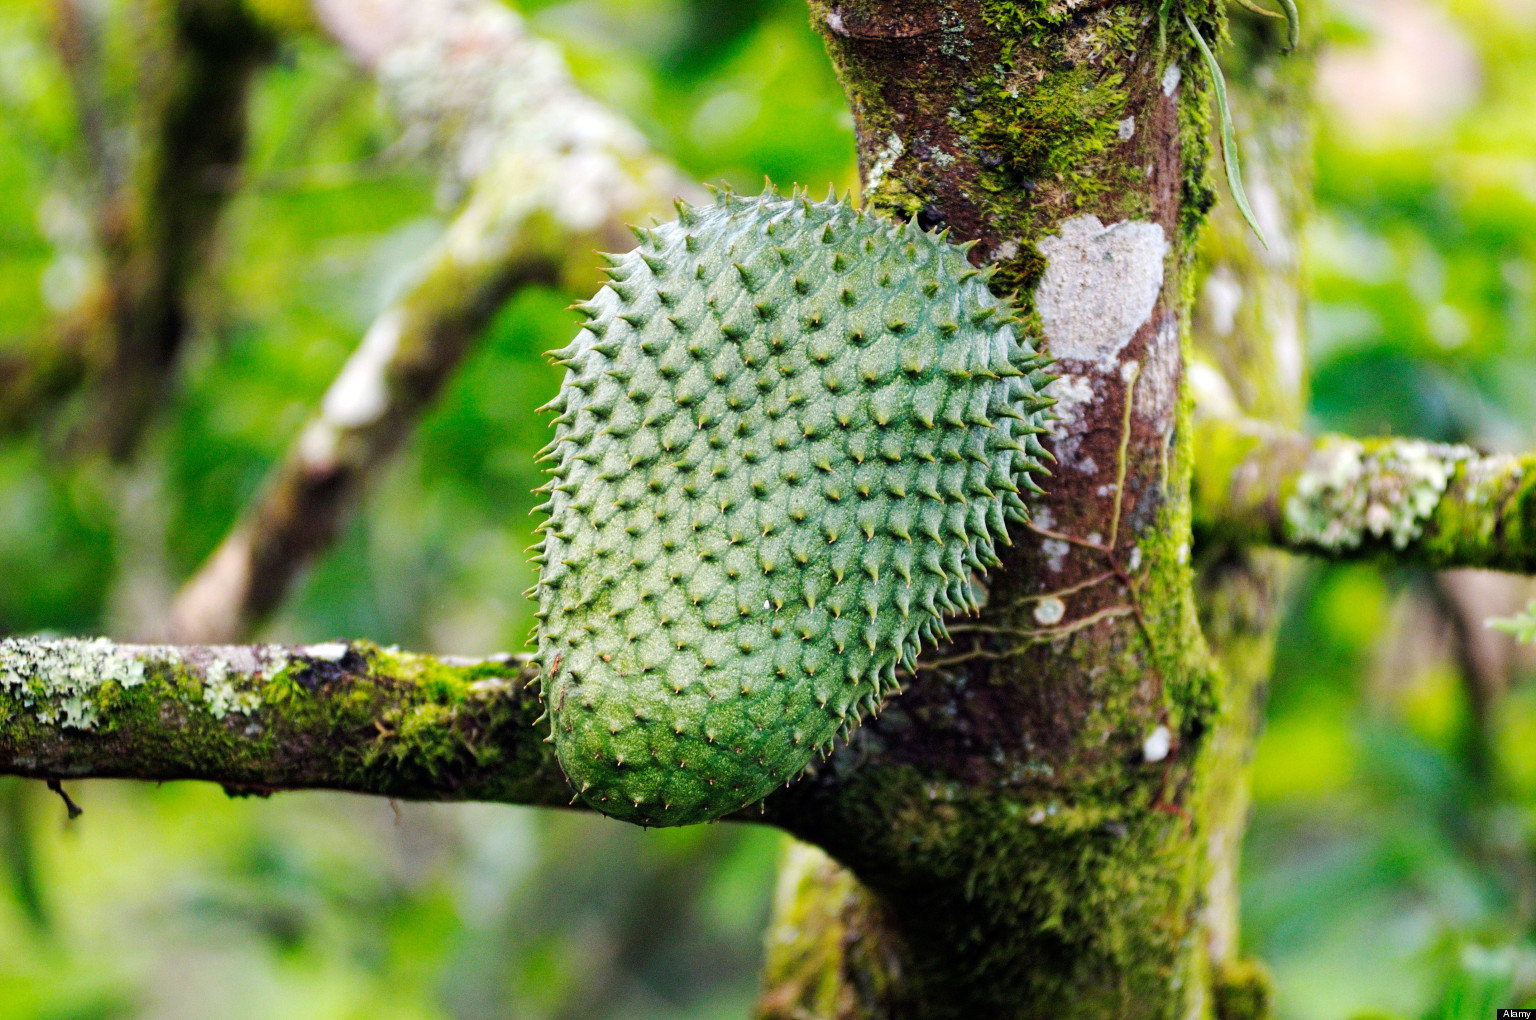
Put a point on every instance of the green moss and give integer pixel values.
(1076, 904)
(1520, 517)
(826, 926)
(1030, 20)
(1020, 275)
(1051, 128)
(281, 15)
(1221, 449)
(1241, 991)
(902, 197)
(445, 726)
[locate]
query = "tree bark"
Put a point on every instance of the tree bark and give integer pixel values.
(1248, 345)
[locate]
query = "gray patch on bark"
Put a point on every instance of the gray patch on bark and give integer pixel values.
(1157, 389)
(1072, 393)
(1100, 285)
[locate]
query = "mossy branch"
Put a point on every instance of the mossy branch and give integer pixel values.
(342, 716)
(1406, 500)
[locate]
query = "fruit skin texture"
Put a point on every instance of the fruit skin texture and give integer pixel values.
(788, 434)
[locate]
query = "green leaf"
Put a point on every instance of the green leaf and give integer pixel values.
(1228, 135)
(1292, 24)
(1291, 15)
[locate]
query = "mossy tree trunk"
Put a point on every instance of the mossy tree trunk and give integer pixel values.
(1048, 826)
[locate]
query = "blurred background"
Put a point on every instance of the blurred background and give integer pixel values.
(1391, 865)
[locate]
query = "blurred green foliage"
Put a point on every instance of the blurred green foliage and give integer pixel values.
(1390, 871)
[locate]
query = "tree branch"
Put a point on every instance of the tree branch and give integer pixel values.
(41, 374)
(550, 175)
(832, 949)
(155, 220)
(1405, 499)
(257, 719)
(35, 379)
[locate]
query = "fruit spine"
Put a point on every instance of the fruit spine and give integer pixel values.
(788, 434)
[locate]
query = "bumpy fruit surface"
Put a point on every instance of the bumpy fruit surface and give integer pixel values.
(788, 435)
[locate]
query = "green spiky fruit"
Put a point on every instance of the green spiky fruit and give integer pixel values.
(788, 435)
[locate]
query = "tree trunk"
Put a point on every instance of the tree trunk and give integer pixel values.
(1247, 330)
(1048, 826)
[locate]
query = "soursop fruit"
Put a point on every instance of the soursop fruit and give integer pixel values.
(789, 435)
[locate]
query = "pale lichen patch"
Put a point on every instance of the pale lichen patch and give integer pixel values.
(1050, 610)
(1100, 285)
(220, 694)
(330, 651)
(1157, 384)
(883, 163)
(1055, 553)
(1073, 394)
(1171, 78)
(59, 679)
(1348, 492)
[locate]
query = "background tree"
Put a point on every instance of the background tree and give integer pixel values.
(1048, 820)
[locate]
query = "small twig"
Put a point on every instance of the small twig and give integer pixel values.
(1051, 633)
(981, 628)
(1030, 636)
(976, 652)
(1071, 589)
(1132, 374)
(75, 810)
(1063, 537)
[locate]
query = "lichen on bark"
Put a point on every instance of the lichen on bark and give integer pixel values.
(1342, 498)
(341, 715)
